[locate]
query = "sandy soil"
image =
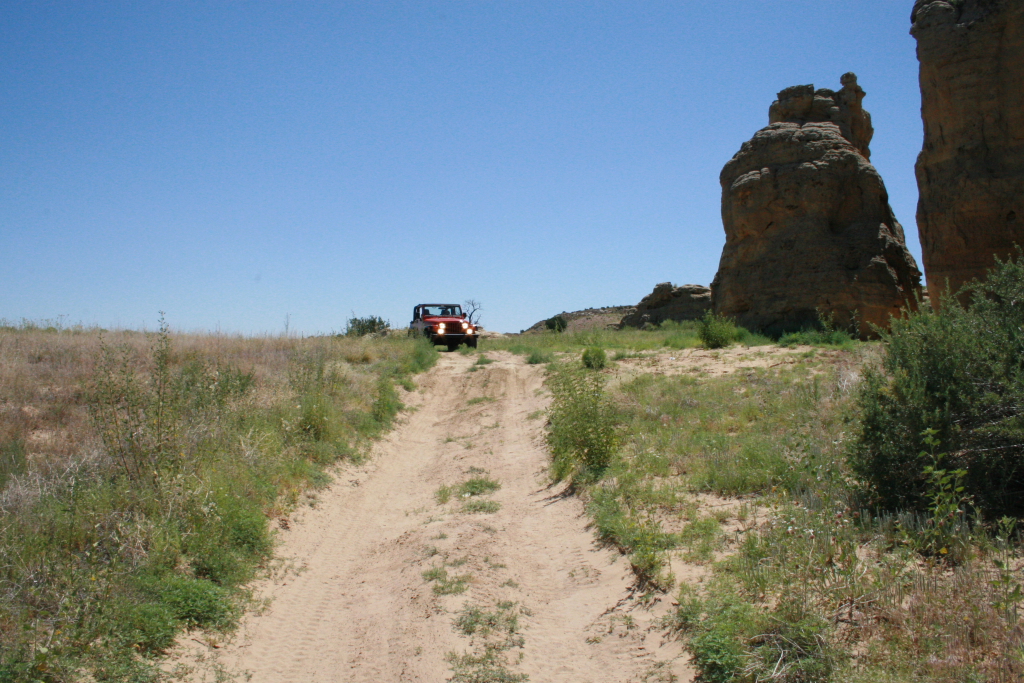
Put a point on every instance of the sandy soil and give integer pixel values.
(355, 607)
(720, 361)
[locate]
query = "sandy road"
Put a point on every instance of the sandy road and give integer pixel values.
(358, 608)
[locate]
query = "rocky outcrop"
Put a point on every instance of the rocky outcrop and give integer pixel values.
(667, 302)
(587, 319)
(808, 227)
(970, 173)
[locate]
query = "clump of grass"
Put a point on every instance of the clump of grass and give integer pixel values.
(445, 583)
(480, 399)
(538, 357)
(443, 494)
(483, 360)
(477, 505)
(594, 358)
(478, 486)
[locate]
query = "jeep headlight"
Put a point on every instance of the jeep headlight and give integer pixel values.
(465, 325)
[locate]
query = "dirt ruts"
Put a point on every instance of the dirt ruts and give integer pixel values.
(355, 606)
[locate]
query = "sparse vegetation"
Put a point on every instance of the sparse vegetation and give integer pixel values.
(147, 505)
(445, 583)
(494, 634)
(476, 505)
(808, 581)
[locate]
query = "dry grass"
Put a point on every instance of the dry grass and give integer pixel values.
(138, 471)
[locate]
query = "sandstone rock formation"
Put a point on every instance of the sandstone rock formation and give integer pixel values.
(666, 302)
(970, 172)
(808, 226)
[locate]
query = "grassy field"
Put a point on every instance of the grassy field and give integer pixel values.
(747, 475)
(140, 473)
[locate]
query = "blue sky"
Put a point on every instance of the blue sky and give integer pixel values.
(239, 163)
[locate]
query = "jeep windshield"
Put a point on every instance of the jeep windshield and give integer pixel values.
(442, 309)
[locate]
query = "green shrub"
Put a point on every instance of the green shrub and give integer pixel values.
(583, 435)
(360, 327)
(151, 626)
(196, 602)
(717, 331)
(955, 376)
(595, 358)
(538, 357)
(556, 324)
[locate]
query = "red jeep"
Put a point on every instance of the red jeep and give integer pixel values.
(443, 324)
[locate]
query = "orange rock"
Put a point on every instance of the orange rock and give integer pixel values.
(808, 226)
(970, 172)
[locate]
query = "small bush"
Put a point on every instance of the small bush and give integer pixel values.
(556, 324)
(717, 331)
(360, 327)
(595, 358)
(951, 384)
(151, 626)
(196, 602)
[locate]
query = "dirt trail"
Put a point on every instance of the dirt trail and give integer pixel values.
(357, 607)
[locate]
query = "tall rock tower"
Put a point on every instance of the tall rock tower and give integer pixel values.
(808, 227)
(970, 173)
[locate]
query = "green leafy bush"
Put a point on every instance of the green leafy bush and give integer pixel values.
(955, 375)
(360, 327)
(556, 324)
(717, 331)
(595, 358)
(196, 602)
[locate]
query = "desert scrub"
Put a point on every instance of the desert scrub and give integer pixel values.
(955, 376)
(147, 507)
(582, 434)
(819, 589)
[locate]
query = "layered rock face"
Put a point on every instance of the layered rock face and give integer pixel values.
(808, 226)
(970, 172)
(667, 302)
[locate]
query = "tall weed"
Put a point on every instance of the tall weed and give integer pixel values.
(583, 436)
